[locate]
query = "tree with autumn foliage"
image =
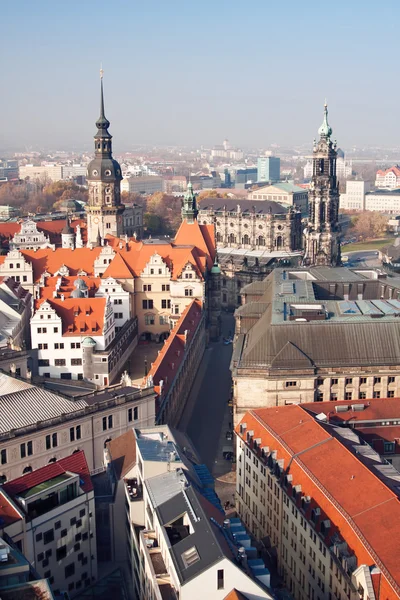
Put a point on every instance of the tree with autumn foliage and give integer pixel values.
(370, 225)
(167, 209)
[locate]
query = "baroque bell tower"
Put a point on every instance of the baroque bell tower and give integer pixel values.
(321, 236)
(104, 208)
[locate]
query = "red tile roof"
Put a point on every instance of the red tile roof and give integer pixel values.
(170, 357)
(67, 285)
(8, 230)
(8, 513)
(395, 170)
(118, 269)
(76, 463)
(375, 409)
(194, 244)
(201, 236)
(52, 229)
(80, 316)
(80, 259)
(364, 511)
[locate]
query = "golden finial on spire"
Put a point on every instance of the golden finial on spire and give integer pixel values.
(101, 71)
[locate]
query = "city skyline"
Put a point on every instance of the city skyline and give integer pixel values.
(193, 77)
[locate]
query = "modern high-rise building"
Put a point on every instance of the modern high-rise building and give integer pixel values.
(104, 208)
(268, 168)
(322, 245)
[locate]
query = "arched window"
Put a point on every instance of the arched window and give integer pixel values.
(27, 470)
(52, 460)
(106, 442)
(260, 241)
(219, 237)
(246, 240)
(231, 238)
(76, 451)
(278, 242)
(3, 479)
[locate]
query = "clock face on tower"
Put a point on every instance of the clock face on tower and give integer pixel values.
(95, 220)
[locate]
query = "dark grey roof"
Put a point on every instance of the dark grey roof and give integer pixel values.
(341, 338)
(246, 206)
(25, 407)
(203, 537)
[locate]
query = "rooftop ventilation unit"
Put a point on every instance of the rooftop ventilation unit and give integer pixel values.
(341, 408)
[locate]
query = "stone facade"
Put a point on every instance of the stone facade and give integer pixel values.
(322, 232)
(306, 336)
(265, 225)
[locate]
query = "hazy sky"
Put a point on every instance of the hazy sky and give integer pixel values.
(187, 72)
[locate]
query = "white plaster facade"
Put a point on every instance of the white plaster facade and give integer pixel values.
(30, 238)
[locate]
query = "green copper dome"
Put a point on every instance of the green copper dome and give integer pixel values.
(325, 129)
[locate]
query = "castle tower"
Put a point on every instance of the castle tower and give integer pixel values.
(189, 208)
(68, 235)
(104, 208)
(321, 236)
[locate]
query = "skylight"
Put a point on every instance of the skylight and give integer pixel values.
(190, 557)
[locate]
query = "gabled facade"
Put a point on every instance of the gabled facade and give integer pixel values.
(389, 179)
(29, 238)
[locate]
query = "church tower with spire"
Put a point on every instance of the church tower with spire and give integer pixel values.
(104, 208)
(321, 236)
(189, 207)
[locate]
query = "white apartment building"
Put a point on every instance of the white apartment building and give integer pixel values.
(355, 195)
(61, 329)
(384, 201)
(38, 426)
(57, 528)
(388, 178)
(145, 184)
(179, 548)
(52, 172)
(300, 489)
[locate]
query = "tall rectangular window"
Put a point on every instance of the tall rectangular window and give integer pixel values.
(3, 456)
(104, 423)
(72, 434)
(29, 446)
(129, 415)
(135, 413)
(110, 421)
(78, 432)
(23, 450)
(54, 440)
(220, 579)
(48, 442)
